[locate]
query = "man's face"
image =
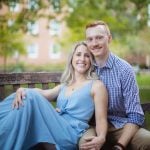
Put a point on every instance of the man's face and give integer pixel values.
(97, 40)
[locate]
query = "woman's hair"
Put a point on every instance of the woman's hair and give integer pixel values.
(68, 75)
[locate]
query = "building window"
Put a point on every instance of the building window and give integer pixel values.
(33, 5)
(54, 27)
(56, 5)
(55, 51)
(33, 51)
(14, 7)
(33, 28)
(10, 22)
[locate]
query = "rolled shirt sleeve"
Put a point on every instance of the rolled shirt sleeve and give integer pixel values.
(132, 103)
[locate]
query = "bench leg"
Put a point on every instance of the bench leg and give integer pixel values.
(43, 146)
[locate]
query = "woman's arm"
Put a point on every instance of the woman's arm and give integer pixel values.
(100, 97)
(49, 94)
(101, 104)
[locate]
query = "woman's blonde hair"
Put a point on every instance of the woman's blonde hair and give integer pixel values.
(68, 75)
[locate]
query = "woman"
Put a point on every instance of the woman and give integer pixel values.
(33, 119)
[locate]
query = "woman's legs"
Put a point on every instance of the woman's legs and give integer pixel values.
(36, 121)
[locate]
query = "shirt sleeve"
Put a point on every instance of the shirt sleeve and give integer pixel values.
(131, 97)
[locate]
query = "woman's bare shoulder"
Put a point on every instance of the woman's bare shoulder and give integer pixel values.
(98, 83)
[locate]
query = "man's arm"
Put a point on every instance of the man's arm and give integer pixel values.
(129, 131)
(133, 107)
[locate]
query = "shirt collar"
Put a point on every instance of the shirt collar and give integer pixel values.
(109, 62)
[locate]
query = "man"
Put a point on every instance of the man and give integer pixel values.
(125, 115)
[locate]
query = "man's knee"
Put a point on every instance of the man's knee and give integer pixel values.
(141, 140)
(90, 132)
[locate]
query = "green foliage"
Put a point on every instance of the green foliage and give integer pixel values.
(11, 35)
(143, 79)
(48, 67)
(144, 85)
(117, 13)
(10, 42)
(127, 21)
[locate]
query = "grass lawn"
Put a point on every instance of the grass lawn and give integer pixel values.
(143, 79)
(144, 85)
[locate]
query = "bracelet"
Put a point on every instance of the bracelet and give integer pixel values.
(115, 148)
(120, 145)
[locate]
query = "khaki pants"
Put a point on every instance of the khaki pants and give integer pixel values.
(140, 141)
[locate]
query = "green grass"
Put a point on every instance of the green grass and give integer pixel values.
(144, 85)
(145, 95)
(143, 79)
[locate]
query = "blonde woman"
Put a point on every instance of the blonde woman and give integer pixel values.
(34, 119)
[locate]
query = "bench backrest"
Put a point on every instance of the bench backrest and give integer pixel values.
(31, 79)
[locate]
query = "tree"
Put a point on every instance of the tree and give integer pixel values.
(123, 17)
(10, 42)
(127, 21)
(14, 24)
(31, 11)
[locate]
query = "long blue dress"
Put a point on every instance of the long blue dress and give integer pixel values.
(37, 121)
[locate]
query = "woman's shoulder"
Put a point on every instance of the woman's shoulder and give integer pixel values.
(97, 84)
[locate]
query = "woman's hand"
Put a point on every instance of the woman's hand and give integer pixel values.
(93, 143)
(18, 101)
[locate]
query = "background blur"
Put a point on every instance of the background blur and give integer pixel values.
(37, 35)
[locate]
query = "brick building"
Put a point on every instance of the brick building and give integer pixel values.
(41, 44)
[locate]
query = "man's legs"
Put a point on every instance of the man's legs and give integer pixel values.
(141, 140)
(43, 146)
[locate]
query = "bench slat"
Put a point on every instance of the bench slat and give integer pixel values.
(44, 78)
(2, 92)
(31, 85)
(25, 78)
(45, 86)
(146, 107)
(15, 87)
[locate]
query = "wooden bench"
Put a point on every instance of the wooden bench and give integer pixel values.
(44, 79)
(12, 81)
(31, 80)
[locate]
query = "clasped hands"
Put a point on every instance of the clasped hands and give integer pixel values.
(92, 143)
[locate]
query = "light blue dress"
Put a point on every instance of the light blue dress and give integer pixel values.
(37, 121)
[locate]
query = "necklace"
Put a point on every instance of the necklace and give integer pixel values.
(73, 88)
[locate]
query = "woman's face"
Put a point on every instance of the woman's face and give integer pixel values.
(81, 60)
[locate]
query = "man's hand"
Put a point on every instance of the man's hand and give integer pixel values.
(18, 101)
(92, 143)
